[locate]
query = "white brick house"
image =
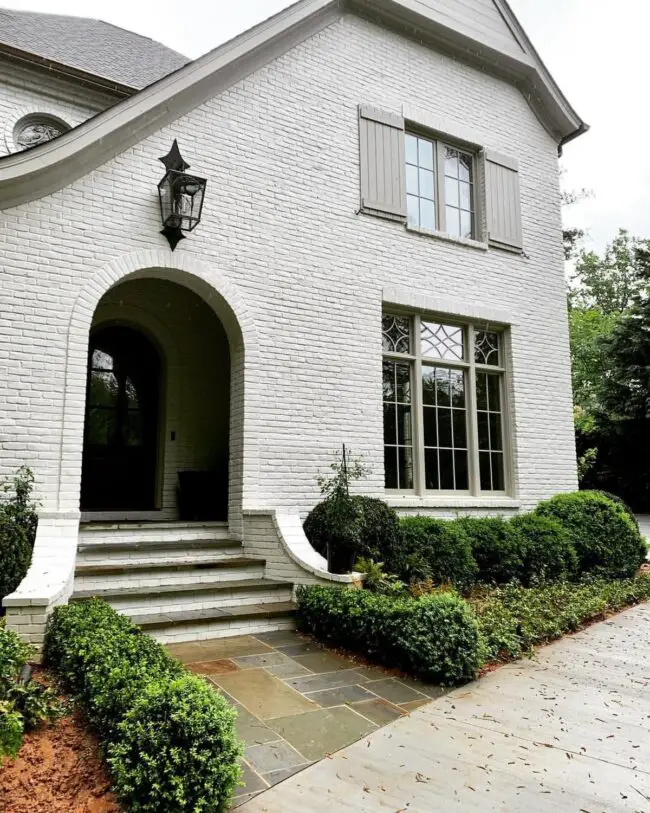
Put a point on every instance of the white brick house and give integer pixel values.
(382, 194)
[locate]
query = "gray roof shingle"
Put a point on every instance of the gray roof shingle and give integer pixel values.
(89, 45)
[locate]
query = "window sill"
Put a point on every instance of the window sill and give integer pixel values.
(468, 501)
(448, 238)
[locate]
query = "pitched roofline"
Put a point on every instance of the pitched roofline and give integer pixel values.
(44, 169)
(64, 71)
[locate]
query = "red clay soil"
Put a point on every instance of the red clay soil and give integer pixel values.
(58, 770)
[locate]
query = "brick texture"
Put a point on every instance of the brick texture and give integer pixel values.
(292, 269)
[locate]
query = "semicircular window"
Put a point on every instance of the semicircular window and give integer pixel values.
(35, 130)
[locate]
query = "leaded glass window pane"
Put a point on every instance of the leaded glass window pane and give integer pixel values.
(490, 431)
(445, 429)
(396, 332)
(486, 348)
(442, 341)
(398, 425)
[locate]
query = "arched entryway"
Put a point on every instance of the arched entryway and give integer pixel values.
(121, 436)
(157, 419)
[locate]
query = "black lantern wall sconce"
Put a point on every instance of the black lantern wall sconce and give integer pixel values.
(181, 197)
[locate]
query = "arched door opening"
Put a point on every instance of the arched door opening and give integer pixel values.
(121, 429)
(157, 422)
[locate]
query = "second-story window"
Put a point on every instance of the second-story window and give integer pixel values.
(439, 187)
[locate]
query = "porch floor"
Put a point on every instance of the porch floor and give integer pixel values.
(297, 701)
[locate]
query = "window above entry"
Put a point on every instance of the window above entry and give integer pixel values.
(437, 186)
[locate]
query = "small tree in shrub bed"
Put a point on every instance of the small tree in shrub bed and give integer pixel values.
(142, 701)
(606, 540)
(435, 636)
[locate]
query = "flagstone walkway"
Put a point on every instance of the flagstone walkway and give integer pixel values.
(567, 732)
(297, 702)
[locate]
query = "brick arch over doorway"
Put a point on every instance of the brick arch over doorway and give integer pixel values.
(228, 305)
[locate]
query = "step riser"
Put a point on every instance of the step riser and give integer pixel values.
(153, 579)
(209, 601)
(216, 629)
(152, 534)
(120, 558)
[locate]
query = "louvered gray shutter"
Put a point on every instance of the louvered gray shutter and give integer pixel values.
(382, 162)
(503, 206)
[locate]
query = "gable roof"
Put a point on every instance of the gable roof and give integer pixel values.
(41, 170)
(91, 46)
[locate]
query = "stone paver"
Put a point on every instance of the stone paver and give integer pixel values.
(296, 701)
(564, 733)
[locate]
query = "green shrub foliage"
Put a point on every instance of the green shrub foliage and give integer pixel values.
(513, 619)
(435, 637)
(175, 749)
(18, 522)
(136, 695)
(604, 536)
(433, 549)
(23, 706)
(544, 548)
(378, 534)
(497, 555)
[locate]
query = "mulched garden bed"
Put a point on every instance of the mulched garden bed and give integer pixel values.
(59, 770)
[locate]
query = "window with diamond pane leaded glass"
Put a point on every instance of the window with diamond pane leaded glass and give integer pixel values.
(486, 348)
(445, 431)
(398, 431)
(442, 341)
(396, 334)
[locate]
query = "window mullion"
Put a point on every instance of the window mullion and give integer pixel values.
(440, 185)
(418, 417)
(474, 471)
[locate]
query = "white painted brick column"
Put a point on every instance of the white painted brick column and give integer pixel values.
(49, 580)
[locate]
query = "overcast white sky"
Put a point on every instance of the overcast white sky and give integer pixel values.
(597, 51)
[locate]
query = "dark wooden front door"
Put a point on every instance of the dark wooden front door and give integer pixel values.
(121, 430)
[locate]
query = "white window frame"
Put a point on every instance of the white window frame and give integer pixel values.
(416, 362)
(439, 143)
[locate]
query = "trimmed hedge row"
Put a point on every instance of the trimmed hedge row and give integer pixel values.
(169, 739)
(435, 636)
(584, 532)
(446, 639)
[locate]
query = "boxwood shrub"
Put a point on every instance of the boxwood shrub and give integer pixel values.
(380, 529)
(435, 636)
(544, 548)
(143, 702)
(496, 552)
(604, 536)
(433, 549)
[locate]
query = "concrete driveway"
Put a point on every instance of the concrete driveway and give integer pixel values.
(567, 731)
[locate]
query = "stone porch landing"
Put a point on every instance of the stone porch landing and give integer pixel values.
(297, 701)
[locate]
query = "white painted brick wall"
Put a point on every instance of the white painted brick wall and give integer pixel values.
(24, 91)
(280, 234)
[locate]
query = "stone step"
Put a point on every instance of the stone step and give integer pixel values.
(148, 575)
(193, 625)
(151, 531)
(152, 551)
(190, 596)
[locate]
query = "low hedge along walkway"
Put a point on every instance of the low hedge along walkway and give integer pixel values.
(444, 637)
(169, 739)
